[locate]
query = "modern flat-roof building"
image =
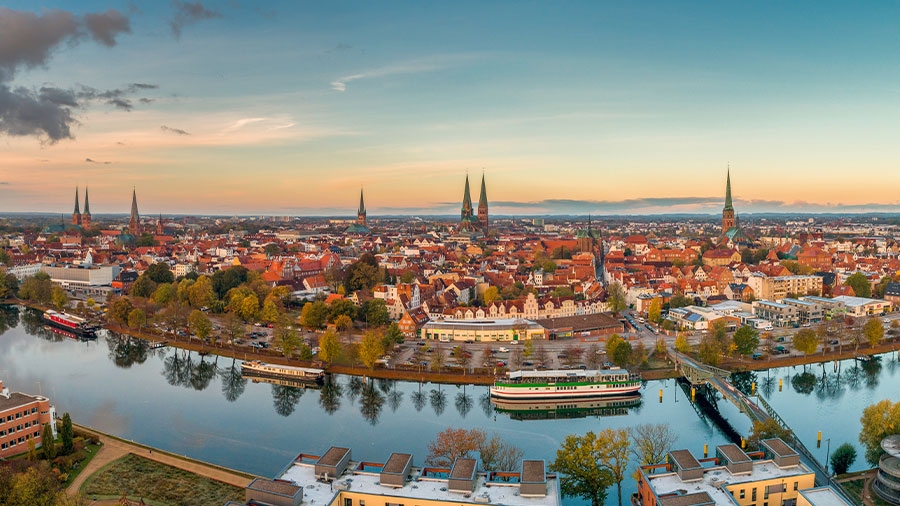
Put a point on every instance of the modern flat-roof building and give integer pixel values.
(771, 477)
(397, 481)
(779, 287)
(22, 417)
(781, 315)
(851, 306)
(808, 311)
(508, 329)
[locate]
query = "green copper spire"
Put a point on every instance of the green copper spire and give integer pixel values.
(482, 200)
(466, 213)
(728, 191)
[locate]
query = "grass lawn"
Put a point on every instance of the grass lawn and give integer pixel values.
(854, 489)
(84, 458)
(157, 484)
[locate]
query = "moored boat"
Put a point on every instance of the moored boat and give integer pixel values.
(545, 409)
(566, 383)
(70, 323)
(264, 370)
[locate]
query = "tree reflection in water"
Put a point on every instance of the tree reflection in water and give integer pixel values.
(285, 398)
(177, 368)
(371, 402)
(486, 405)
(9, 318)
(394, 398)
(330, 395)
(33, 321)
(125, 351)
(354, 388)
(203, 374)
(804, 382)
(744, 381)
(464, 403)
(419, 399)
(438, 401)
(233, 383)
(871, 370)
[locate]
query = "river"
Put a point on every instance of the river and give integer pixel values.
(201, 406)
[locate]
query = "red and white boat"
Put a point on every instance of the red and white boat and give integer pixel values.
(71, 323)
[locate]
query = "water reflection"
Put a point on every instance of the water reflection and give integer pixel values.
(125, 351)
(233, 384)
(285, 398)
(9, 318)
(419, 398)
(548, 409)
(804, 382)
(371, 402)
(330, 395)
(438, 400)
(464, 403)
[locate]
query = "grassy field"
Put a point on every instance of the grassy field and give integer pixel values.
(158, 484)
(854, 489)
(83, 457)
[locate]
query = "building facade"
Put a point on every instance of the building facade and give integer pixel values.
(22, 417)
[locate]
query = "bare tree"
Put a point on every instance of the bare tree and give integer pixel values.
(651, 441)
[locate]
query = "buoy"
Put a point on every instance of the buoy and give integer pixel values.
(693, 394)
(660, 395)
(780, 383)
(819, 439)
(705, 450)
(753, 388)
(743, 443)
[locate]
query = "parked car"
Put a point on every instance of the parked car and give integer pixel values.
(503, 349)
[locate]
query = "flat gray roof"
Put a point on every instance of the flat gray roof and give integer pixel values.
(779, 447)
(685, 459)
(686, 500)
(733, 453)
(533, 471)
(17, 400)
(463, 469)
(278, 487)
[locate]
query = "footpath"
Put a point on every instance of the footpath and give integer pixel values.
(114, 448)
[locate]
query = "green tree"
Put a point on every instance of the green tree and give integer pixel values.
(393, 335)
(329, 347)
(492, 294)
(225, 280)
(618, 351)
(376, 313)
(680, 300)
(199, 324)
(842, 458)
(48, 445)
(339, 307)
(806, 341)
(120, 309)
(249, 307)
(879, 420)
(681, 344)
(269, 313)
(582, 475)
(878, 291)
(59, 298)
(370, 348)
(767, 429)
(612, 343)
(37, 288)
(746, 339)
(285, 336)
(650, 442)
(710, 351)
(874, 331)
(137, 319)
(201, 293)
(66, 435)
(654, 311)
(160, 273)
(362, 274)
(9, 286)
(165, 293)
(860, 284)
(616, 298)
(233, 326)
(32, 451)
(314, 314)
(143, 287)
(343, 323)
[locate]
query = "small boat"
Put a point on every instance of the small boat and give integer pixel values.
(71, 323)
(565, 383)
(159, 344)
(288, 372)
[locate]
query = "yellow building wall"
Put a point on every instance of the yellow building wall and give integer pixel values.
(351, 498)
(743, 493)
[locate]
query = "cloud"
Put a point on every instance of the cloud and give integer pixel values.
(189, 13)
(573, 206)
(340, 84)
(178, 131)
(27, 40)
(4, 182)
(89, 160)
(121, 103)
(104, 26)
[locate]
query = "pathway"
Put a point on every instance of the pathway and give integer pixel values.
(114, 448)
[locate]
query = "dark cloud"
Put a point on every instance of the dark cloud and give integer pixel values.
(104, 26)
(145, 100)
(189, 13)
(177, 131)
(142, 86)
(4, 182)
(90, 160)
(22, 112)
(121, 103)
(27, 40)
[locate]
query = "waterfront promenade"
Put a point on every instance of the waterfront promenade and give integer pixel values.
(114, 448)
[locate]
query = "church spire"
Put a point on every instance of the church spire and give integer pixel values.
(728, 190)
(467, 213)
(483, 208)
(76, 215)
(86, 215)
(361, 212)
(134, 225)
(87, 204)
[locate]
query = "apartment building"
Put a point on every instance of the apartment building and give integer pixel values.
(22, 417)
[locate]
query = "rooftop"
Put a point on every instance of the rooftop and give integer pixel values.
(715, 477)
(333, 456)
(318, 493)
(17, 400)
(823, 496)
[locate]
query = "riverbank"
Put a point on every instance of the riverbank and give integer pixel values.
(114, 448)
(477, 377)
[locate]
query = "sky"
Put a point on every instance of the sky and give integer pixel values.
(290, 108)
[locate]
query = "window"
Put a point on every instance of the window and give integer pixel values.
(348, 502)
(753, 494)
(742, 493)
(796, 484)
